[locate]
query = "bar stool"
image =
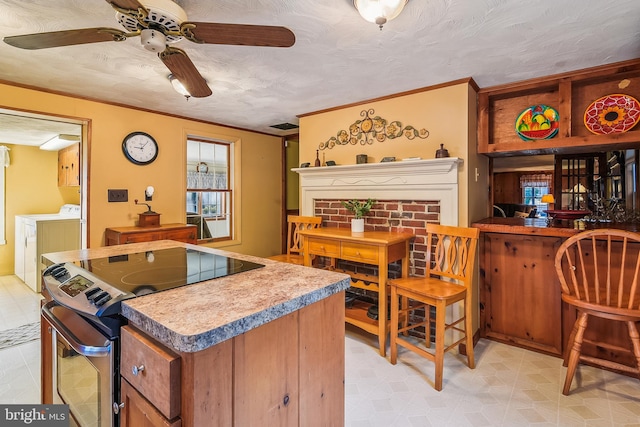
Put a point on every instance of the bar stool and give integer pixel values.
(296, 223)
(599, 271)
(451, 253)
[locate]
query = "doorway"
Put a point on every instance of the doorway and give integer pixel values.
(32, 178)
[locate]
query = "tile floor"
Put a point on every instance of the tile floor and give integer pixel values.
(509, 387)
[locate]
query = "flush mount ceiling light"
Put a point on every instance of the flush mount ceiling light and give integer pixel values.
(178, 86)
(379, 11)
(59, 142)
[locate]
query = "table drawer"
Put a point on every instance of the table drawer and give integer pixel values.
(324, 247)
(159, 380)
(359, 252)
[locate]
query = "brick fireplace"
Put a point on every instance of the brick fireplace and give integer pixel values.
(408, 194)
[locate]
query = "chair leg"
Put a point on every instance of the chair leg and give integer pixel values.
(635, 340)
(576, 347)
(394, 325)
(567, 350)
(404, 305)
(439, 354)
(468, 332)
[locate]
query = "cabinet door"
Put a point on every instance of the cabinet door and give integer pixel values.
(266, 375)
(522, 299)
(138, 412)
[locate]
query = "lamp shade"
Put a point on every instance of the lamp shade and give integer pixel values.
(548, 198)
(178, 86)
(379, 11)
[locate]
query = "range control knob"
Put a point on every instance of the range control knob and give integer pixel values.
(100, 301)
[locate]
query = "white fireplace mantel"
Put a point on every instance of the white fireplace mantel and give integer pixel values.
(432, 179)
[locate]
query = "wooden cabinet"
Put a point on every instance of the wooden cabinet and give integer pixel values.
(121, 235)
(138, 412)
(570, 94)
(375, 248)
(287, 372)
(519, 291)
(520, 297)
(69, 166)
(152, 369)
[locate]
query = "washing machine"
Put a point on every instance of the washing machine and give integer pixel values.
(38, 234)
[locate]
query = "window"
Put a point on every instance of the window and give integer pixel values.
(209, 189)
(534, 186)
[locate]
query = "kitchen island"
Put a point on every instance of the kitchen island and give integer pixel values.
(262, 347)
(520, 294)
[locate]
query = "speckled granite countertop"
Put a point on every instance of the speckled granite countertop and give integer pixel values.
(194, 317)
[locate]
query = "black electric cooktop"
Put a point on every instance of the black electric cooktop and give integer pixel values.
(148, 272)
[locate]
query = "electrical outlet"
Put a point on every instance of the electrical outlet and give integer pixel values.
(117, 195)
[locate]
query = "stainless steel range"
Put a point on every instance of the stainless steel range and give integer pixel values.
(85, 319)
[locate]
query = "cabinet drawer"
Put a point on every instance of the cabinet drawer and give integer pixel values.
(188, 236)
(159, 380)
(139, 237)
(324, 247)
(360, 252)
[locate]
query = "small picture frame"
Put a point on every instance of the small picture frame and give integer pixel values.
(305, 165)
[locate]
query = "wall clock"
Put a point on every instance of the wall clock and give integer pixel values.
(140, 148)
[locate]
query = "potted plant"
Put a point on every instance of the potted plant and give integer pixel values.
(359, 209)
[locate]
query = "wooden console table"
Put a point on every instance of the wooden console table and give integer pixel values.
(181, 232)
(370, 247)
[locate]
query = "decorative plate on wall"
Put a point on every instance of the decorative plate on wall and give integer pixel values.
(537, 122)
(616, 113)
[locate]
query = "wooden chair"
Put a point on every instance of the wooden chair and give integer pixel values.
(599, 274)
(451, 253)
(294, 243)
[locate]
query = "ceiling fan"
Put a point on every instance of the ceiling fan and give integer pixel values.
(160, 23)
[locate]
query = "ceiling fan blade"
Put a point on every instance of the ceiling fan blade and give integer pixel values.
(66, 38)
(126, 4)
(238, 34)
(183, 69)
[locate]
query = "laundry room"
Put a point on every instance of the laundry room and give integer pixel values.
(42, 191)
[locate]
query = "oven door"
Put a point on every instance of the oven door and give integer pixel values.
(83, 363)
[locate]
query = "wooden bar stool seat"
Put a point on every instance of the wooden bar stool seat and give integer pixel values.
(449, 277)
(599, 271)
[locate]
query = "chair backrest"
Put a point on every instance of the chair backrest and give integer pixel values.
(601, 268)
(451, 252)
(296, 223)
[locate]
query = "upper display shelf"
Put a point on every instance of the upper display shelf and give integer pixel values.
(512, 118)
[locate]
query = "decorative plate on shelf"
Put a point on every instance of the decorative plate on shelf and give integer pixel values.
(537, 122)
(616, 113)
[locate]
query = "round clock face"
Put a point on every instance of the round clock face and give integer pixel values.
(140, 148)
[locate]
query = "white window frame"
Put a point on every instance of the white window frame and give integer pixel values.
(234, 183)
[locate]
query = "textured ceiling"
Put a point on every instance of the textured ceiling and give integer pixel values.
(338, 58)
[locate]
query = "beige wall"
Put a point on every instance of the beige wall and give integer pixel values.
(258, 180)
(447, 112)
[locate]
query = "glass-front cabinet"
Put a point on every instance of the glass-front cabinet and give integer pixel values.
(603, 183)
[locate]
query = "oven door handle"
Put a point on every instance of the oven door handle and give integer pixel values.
(70, 337)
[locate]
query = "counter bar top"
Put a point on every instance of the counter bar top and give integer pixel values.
(194, 317)
(540, 227)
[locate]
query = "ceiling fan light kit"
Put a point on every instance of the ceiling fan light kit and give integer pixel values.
(379, 12)
(160, 23)
(178, 86)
